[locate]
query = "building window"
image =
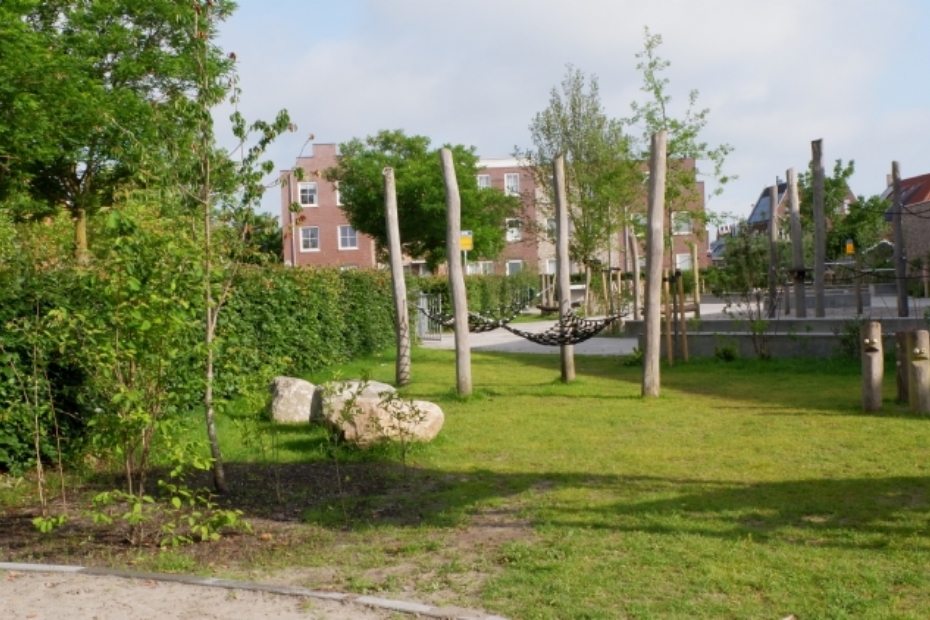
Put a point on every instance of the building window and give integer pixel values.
(513, 230)
(551, 227)
(484, 181)
(514, 267)
(683, 262)
(550, 266)
(512, 184)
(309, 239)
(307, 194)
(681, 223)
(348, 238)
(480, 267)
(338, 195)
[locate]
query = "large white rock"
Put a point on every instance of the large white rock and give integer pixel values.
(338, 393)
(372, 413)
(292, 400)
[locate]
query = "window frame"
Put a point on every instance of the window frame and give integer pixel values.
(513, 261)
(678, 220)
(513, 234)
(515, 190)
(483, 177)
(316, 193)
(339, 233)
(302, 239)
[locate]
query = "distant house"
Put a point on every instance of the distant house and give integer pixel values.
(915, 218)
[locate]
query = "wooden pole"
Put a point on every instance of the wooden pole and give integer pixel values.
(402, 317)
(696, 272)
(562, 266)
(797, 245)
(773, 250)
(900, 260)
(903, 339)
(820, 229)
(682, 323)
(637, 289)
(918, 379)
(456, 277)
(857, 281)
(667, 302)
(655, 242)
(873, 366)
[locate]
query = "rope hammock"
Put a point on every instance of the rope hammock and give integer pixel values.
(572, 330)
(479, 323)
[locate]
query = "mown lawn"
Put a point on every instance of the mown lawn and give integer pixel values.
(748, 490)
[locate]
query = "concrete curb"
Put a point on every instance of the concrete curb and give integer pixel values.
(427, 611)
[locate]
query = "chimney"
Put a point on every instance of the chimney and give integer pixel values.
(888, 180)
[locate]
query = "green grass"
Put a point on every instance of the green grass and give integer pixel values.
(747, 490)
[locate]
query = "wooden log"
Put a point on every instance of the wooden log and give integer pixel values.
(900, 264)
(655, 245)
(797, 245)
(683, 328)
(902, 339)
(820, 229)
(456, 275)
(637, 289)
(697, 280)
(567, 351)
(919, 376)
(873, 366)
(401, 315)
(773, 250)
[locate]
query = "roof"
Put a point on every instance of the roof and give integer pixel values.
(913, 190)
(760, 212)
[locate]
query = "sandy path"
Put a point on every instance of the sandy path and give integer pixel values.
(53, 596)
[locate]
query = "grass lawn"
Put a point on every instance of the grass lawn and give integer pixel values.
(748, 490)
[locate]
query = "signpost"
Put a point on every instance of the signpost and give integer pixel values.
(466, 243)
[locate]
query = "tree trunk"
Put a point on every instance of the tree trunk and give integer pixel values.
(797, 245)
(773, 250)
(81, 251)
(564, 287)
(820, 229)
(637, 290)
(654, 250)
(456, 277)
(900, 266)
(401, 318)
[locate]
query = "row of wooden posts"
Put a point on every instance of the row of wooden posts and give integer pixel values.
(912, 353)
(656, 280)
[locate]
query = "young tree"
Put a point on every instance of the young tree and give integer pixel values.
(684, 138)
(603, 178)
(93, 82)
(421, 202)
(836, 192)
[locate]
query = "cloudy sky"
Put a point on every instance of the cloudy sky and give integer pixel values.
(775, 74)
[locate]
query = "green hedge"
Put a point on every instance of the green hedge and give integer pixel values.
(486, 293)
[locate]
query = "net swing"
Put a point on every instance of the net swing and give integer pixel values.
(570, 330)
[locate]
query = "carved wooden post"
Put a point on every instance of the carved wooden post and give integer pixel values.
(873, 366)
(773, 250)
(456, 277)
(655, 242)
(797, 245)
(402, 317)
(918, 380)
(903, 339)
(561, 266)
(900, 260)
(820, 229)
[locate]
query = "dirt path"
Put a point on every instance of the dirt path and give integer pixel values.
(51, 596)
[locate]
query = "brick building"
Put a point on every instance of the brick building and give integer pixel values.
(319, 234)
(915, 218)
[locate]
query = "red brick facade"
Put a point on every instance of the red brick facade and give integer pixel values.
(320, 234)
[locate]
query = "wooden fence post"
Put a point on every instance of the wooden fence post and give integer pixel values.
(820, 229)
(797, 245)
(456, 276)
(873, 366)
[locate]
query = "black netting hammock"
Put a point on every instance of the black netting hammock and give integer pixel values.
(478, 322)
(570, 330)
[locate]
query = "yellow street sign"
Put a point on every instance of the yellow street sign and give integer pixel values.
(466, 241)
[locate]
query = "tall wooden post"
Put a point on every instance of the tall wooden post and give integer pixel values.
(667, 301)
(900, 260)
(637, 289)
(857, 280)
(773, 250)
(655, 245)
(696, 272)
(456, 277)
(903, 340)
(918, 379)
(873, 366)
(797, 245)
(562, 266)
(820, 229)
(401, 316)
(682, 322)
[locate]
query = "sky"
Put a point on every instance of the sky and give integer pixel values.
(775, 75)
